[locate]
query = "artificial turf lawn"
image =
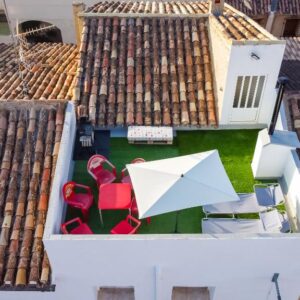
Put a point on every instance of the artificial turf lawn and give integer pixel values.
(236, 149)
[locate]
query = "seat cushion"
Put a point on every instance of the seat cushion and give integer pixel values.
(81, 201)
(105, 176)
(122, 228)
(82, 229)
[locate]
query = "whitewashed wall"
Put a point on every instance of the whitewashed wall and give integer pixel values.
(291, 179)
(238, 268)
(241, 64)
(63, 172)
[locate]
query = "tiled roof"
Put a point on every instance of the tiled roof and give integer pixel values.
(262, 7)
(292, 50)
(145, 72)
(237, 27)
(29, 145)
(291, 63)
(51, 75)
(150, 7)
(233, 24)
(293, 108)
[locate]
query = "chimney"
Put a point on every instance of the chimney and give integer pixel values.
(271, 16)
(78, 7)
(216, 7)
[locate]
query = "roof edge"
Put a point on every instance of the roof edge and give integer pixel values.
(140, 15)
(252, 22)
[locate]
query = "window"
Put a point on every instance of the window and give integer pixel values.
(4, 29)
(291, 27)
(107, 293)
(248, 91)
(192, 293)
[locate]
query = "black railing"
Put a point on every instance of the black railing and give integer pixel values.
(282, 81)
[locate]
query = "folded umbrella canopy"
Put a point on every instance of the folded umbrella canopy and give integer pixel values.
(173, 184)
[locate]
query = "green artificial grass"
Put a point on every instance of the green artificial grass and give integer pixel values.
(236, 149)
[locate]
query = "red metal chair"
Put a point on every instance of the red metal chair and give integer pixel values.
(134, 210)
(124, 227)
(125, 178)
(96, 169)
(82, 228)
(83, 201)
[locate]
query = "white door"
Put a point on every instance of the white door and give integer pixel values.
(247, 98)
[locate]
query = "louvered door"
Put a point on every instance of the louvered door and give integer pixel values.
(247, 98)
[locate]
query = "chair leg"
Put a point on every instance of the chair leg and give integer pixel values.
(85, 214)
(101, 218)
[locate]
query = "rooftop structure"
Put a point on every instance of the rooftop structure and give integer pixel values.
(167, 70)
(280, 17)
(186, 70)
(263, 7)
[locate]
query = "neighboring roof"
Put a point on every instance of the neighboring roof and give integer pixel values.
(291, 63)
(262, 7)
(150, 7)
(293, 108)
(239, 28)
(292, 50)
(148, 63)
(234, 25)
(141, 71)
(52, 69)
(30, 135)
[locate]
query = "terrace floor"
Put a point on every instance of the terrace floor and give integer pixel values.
(236, 149)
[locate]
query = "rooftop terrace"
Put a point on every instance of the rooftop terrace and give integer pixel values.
(236, 151)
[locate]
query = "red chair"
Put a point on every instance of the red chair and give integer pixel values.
(134, 210)
(82, 228)
(96, 169)
(125, 178)
(124, 227)
(83, 201)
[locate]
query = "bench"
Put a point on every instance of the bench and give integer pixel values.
(150, 135)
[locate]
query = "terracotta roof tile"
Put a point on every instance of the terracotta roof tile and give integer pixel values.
(235, 25)
(29, 143)
(239, 28)
(150, 7)
(50, 77)
(291, 63)
(262, 7)
(145, 72)
(292, 49)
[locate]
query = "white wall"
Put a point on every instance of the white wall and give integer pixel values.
(57, 12)
(291, 179)
(241, 64)
(63, 172)
(238, 268)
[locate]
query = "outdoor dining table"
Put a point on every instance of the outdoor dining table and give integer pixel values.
(114, 196)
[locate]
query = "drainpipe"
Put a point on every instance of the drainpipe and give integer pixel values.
(216, 7)
(272, 13)
(282, 81)
(78, 7)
